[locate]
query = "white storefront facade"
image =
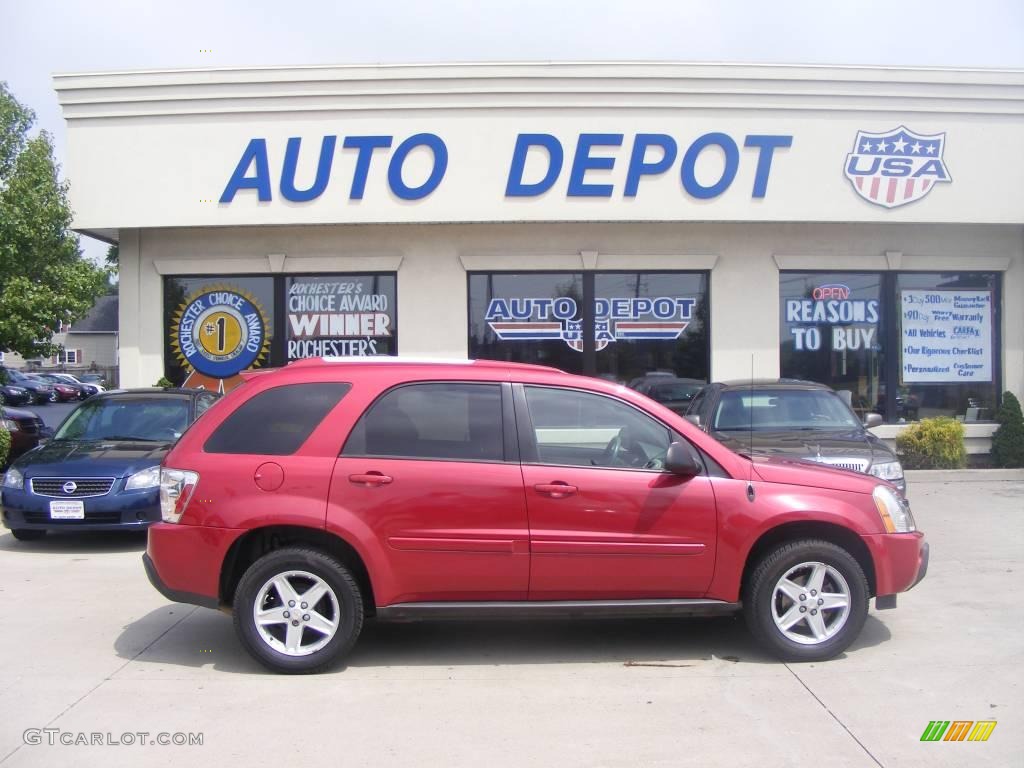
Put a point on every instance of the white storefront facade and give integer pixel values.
(861, 227)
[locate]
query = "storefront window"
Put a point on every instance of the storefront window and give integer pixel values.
(642, 321)
(340, 315)
(218, 326)
(527, 318)
(949, 358)
(931, 339)
(831, 332)
(651, 321)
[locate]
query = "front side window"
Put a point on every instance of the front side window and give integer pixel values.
(278, 421)
(130, 418)
(460, 422)
(581, 429)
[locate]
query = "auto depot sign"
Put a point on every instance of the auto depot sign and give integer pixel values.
(541, 143)
(591, 155)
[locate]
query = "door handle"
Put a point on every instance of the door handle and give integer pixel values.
(370, 479)
(556, 490)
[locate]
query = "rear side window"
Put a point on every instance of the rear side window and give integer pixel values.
(432, 421)
(276, 422)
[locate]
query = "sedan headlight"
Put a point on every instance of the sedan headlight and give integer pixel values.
(894, 510)
(147, 478)
(887, 470)
(10, 426)
(14, 479)
(176, 489)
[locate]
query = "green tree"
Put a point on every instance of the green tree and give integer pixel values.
(43, 277)
(1008, 440)
(113, 256)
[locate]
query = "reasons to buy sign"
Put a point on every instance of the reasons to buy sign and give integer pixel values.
(946, 336)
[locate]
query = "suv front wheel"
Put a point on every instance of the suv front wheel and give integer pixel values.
(298, 610)
(806, 600)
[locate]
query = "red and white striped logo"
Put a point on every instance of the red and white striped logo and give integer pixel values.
(896, 167)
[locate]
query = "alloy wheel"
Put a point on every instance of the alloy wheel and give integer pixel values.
(811, 603)
(296, 613)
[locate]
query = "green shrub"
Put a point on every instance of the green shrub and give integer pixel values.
(164, 382)
(932, 444)
(1008, 440)
(5, 445)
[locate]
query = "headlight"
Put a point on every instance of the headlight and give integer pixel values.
(14, 479)
(894, 511)
(147, 478)
(10, 426)
(176, 489)
(888, 470)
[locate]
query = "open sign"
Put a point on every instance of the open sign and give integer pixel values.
(831, 291)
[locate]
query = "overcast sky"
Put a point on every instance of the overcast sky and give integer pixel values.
(40, 37)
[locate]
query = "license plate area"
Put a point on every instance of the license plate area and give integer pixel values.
(67, 510)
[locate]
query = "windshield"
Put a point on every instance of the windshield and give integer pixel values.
(674, 391)
(782, 409)
(137, 418)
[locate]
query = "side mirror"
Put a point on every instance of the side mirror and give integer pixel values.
(693, 418)
(872, 420)
(679, 460)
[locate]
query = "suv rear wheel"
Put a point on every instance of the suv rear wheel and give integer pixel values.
(806, 600)
(298, 610)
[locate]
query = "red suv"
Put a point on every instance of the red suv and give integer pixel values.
(330, 491)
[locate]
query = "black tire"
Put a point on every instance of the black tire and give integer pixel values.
(27, 534)
(340, 580)
(759, 594)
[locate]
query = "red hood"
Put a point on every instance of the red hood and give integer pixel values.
(807, 473)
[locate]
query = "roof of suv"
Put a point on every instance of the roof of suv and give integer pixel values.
(317, 362)
(774, 383)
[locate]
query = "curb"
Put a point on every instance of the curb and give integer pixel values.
(921, 476)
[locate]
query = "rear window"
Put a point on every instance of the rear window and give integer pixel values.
(276, 422)
(460, 422)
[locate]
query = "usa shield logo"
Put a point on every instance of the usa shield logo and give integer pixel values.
(896, 167)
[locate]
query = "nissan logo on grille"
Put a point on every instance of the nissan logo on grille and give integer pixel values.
(69, 487)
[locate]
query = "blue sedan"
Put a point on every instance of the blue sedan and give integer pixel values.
(101, 470)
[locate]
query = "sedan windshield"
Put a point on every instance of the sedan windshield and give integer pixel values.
(782, 409)
(135, 418)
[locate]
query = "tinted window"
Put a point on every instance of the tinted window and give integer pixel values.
(276, 422)
(581, 429)
(432, 421)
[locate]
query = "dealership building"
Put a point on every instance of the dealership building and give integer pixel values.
(861, 227)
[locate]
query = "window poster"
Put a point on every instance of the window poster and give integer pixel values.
(946, 336)
(338, 315)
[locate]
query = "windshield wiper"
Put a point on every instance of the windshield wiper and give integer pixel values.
(133, 437)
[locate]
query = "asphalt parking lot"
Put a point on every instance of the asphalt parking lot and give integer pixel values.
(88, 646)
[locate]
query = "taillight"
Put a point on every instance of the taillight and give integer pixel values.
(176, 489)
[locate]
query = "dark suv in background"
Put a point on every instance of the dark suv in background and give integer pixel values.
(794, 419)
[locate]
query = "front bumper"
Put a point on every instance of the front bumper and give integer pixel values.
(21, 509)
(901, 560)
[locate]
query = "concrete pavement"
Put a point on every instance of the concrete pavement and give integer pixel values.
(87, 645)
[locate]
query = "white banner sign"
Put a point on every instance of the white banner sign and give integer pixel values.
(946, 337)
